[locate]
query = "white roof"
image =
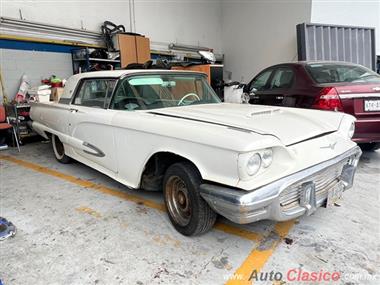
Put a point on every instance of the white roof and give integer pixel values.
(73, 80)
(119, 73)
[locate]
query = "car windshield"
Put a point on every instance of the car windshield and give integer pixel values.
(333, 73)
(152, 91)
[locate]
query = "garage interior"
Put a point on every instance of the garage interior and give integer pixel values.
(71, 224)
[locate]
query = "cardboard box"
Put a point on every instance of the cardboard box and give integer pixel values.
(56, 93)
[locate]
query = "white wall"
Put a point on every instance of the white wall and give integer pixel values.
(184, 21)
(36, 65)
(257, 34)
(74, 14)
(163, 21)
(352, 13)
(187, 22)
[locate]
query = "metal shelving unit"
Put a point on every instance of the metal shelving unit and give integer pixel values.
(82, 62)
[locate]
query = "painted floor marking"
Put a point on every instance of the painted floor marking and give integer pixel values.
(230, 229)
(260, 254)
(254, 261)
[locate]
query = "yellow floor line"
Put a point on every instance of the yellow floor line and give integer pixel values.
(230, 229)
(89, 211)
(259, 256)
(237, 231)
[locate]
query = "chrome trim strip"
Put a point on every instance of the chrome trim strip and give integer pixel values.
(97, 151)
(376, 120)
(359, 95)
(207, 122)
(243, 207)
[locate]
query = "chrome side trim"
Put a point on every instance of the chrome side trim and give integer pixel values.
(97, 152)
(243, 207)
(359, 95)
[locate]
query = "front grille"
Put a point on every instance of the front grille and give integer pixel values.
(324, 180)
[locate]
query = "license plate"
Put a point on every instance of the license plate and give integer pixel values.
(334, 195)
(371, 105)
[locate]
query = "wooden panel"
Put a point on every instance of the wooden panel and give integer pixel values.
(127, 47)
(143, 49)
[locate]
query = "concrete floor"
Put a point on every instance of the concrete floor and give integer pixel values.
(71, 234)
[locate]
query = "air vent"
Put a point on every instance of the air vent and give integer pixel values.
(265, 112)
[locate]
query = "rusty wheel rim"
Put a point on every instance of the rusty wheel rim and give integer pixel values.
(178, 203)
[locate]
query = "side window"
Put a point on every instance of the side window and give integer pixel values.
(282, 78)
(125, 99)
(95, 93)
(260, 82)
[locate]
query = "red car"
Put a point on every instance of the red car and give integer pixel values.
(333, 86)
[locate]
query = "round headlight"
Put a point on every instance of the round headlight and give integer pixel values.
(253, 164)
(351, 131)
(267, 157)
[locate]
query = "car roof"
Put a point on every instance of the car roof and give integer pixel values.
(120, 73)
(303, 63)
(73, 80)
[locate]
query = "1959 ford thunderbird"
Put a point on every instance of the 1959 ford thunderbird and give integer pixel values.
(167, 130)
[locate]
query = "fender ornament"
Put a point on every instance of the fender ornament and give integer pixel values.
(331, 146)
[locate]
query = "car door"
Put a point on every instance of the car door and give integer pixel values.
(129, 142)
(259, 87)
(90, 123)
(279, 86)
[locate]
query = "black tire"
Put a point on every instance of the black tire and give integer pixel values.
(369, 146)
(59, 150)
(200, 217)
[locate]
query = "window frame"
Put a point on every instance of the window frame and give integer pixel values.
(309, 71)
(274, 73)
(270, 69)
(133, 74)
(83, 80)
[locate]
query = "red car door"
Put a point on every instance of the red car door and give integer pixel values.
(280, 84)
(259, 86)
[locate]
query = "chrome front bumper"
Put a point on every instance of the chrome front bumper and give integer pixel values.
(284, 199)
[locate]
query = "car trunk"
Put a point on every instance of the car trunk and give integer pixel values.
(360, 100)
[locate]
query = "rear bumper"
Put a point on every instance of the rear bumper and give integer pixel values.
(367, 130)
(272, 201)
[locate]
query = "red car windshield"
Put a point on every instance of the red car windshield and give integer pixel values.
(334, 73)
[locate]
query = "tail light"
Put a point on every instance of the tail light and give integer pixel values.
(328, 99)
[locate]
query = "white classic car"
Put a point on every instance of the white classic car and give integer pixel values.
(167, 130)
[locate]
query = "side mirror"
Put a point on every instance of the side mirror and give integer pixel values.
(253, 91)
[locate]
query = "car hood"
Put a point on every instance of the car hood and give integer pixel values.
(289, 125)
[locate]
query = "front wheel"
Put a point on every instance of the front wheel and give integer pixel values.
(187, 210)
(59, 150)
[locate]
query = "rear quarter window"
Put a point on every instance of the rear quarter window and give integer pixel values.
(334, 73)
